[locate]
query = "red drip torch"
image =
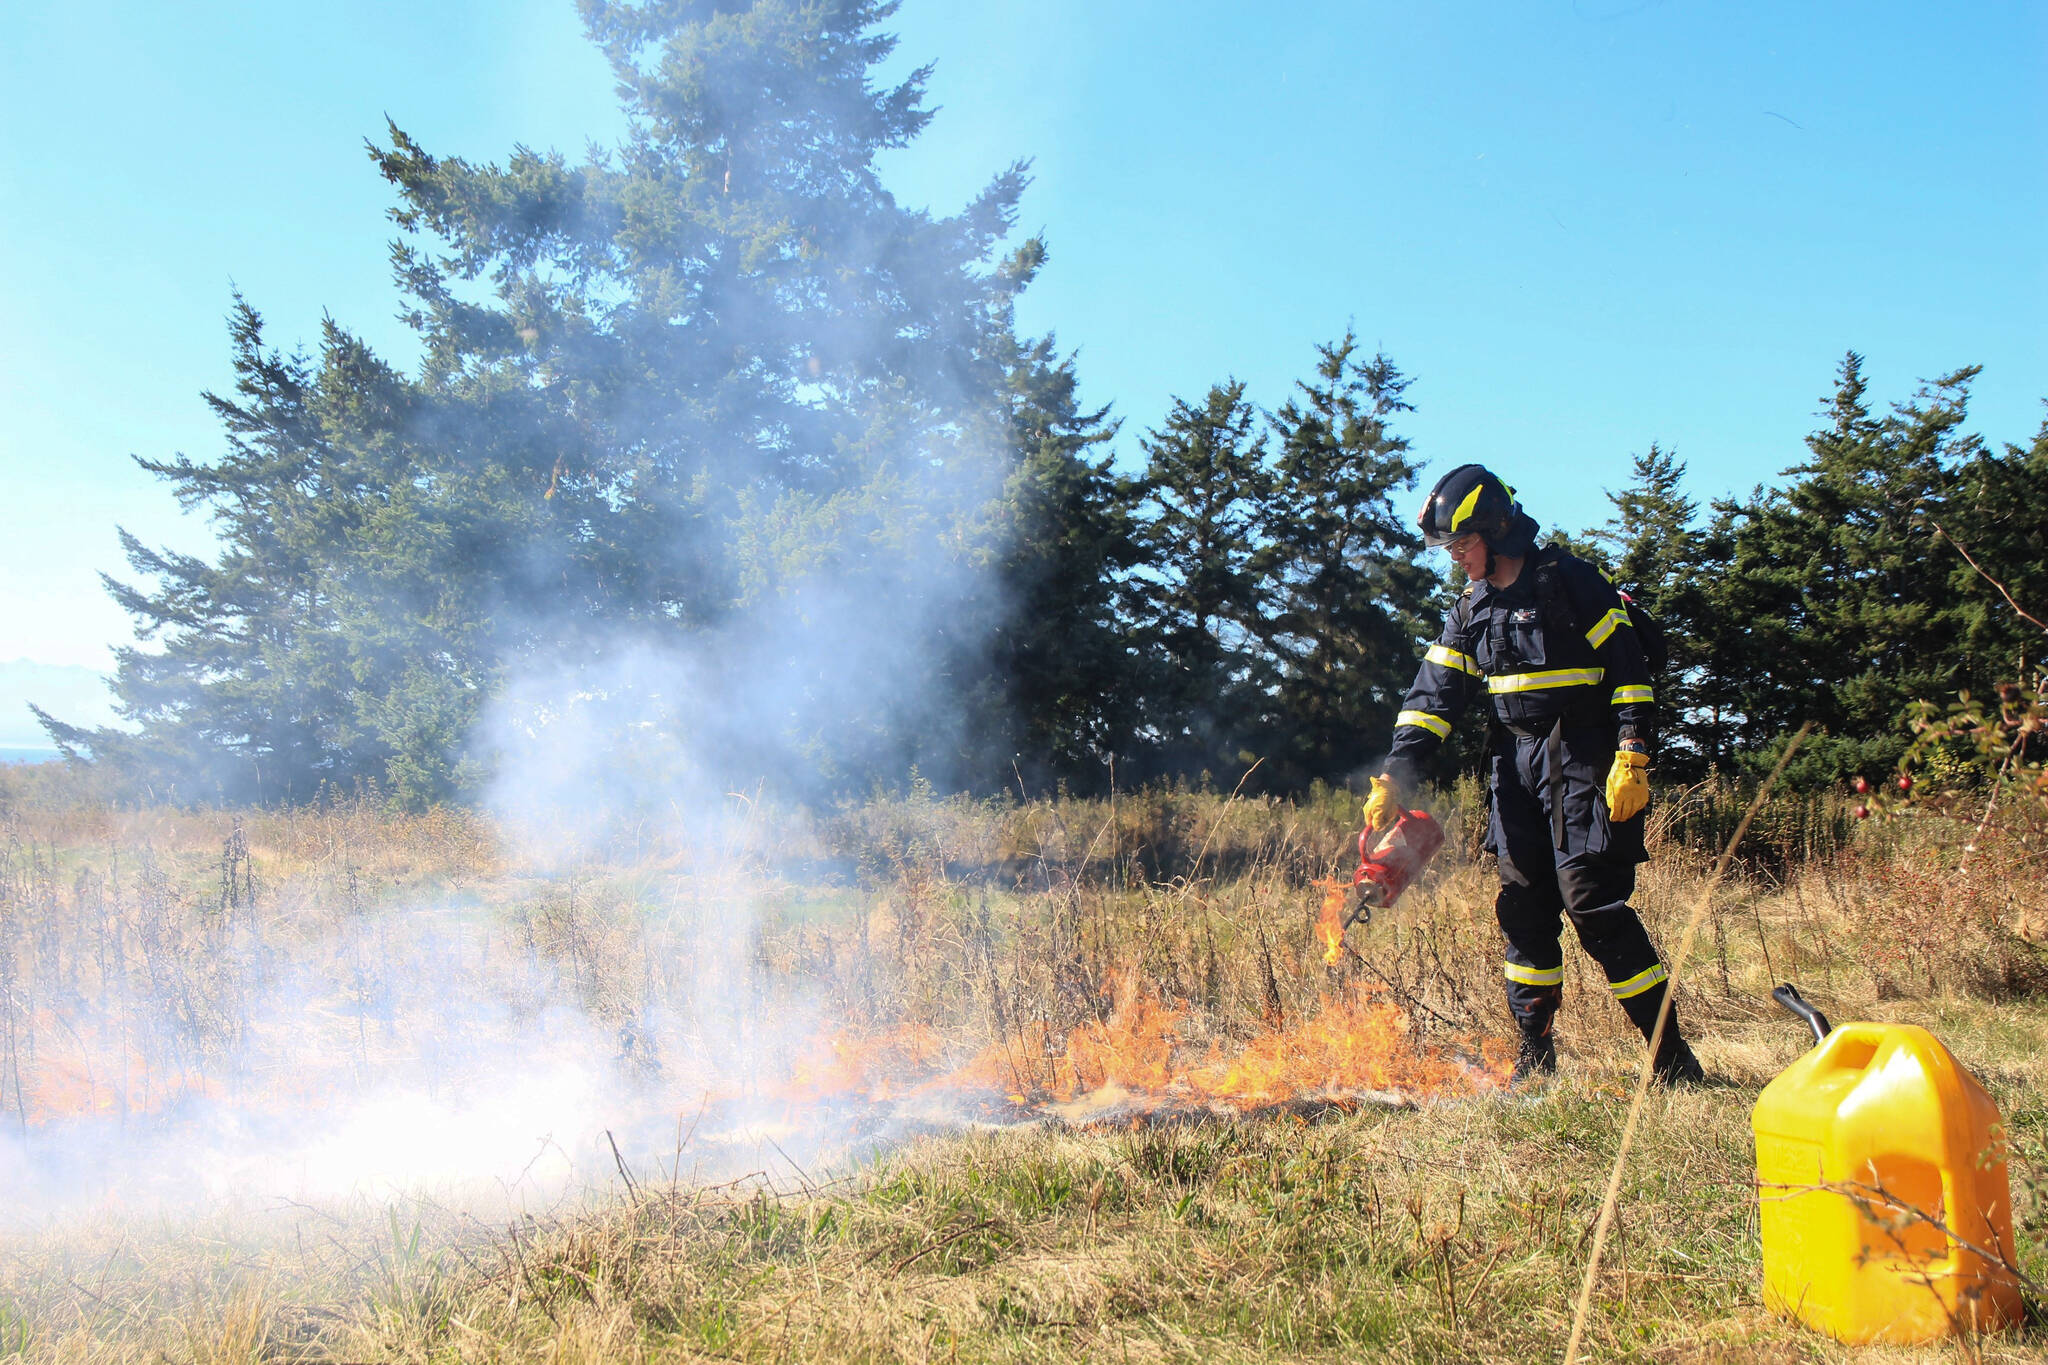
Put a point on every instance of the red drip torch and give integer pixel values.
(1389, 859)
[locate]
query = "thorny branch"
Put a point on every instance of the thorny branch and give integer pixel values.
(1412, 1002)
(1981, 573)
(1879, 1205)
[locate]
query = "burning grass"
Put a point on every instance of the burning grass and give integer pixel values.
(1448, 1233)
(1134, 1066)
(922, 1079)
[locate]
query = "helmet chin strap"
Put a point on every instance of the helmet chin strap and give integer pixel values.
(1489, 561)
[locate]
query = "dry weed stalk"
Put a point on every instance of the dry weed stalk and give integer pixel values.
(980, 921)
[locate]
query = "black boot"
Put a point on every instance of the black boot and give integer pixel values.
(1535, 1061)
(1534, 1008)
(1674, 1064)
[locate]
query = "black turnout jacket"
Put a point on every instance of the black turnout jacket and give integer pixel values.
(1554, 645)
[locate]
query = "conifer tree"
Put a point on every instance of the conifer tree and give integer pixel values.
(1652, 550)
(1839, 590)
(729, 309)
(714, 380)
(242, 622)
(1995, 525)
(1059, 697)
(276, 665)
(1347, 624)
(1205, 489)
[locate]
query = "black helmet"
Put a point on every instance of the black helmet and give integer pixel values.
(1472, 499)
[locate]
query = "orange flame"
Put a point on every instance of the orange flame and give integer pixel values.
(1330, 919)
(876, 1064)
(1136, 1059)
(96, 1076)
(1359, 1041)
(1353, 1043)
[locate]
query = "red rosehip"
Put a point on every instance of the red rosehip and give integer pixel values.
(1863, 812)
(1861, 784)
(1905, 783)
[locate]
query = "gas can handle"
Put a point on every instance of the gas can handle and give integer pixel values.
(1788, 995)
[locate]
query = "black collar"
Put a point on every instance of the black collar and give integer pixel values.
(1523, 589)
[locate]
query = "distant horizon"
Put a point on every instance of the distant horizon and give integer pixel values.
(76, 693)
(29, 661)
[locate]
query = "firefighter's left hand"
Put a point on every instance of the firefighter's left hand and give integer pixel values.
(1628, 785)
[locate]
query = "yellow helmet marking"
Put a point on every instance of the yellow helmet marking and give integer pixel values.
(1467, 507)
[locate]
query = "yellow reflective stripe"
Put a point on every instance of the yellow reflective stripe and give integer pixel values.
(1423, 720)
(1536, 682)
(1604, 627)
(1468, 506)
(1535, 976)
(1451, 658)
(1639, 983)
(1634, 692)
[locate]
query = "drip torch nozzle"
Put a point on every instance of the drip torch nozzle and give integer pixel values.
(1788, 995)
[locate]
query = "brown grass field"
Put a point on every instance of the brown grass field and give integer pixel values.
(1013, 1080)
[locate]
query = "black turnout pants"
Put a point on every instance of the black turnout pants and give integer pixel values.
(1581, 865)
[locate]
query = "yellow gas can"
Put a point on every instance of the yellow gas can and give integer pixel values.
(1875, 1126)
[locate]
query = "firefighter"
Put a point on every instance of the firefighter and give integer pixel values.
(1547, 639)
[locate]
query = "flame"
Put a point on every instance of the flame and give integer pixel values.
(1130, 1049)
(96, 1076)
(877, 1064)
(1142, 1055)
(1356, 1044)
(1330, 919)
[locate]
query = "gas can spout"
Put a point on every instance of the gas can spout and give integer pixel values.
(1788, 995)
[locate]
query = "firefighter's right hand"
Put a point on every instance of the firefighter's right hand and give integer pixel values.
(1383, 806)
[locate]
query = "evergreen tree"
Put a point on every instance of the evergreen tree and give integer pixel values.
(1203, 493)
(1347, 626)
(717, 380)
(278, 664)
(730, 309)
(232, 701)
(1653, 551)
(1650, 540)
(1060, 698)
(1841, 599)
(769, 392)
(1719, 696)
(1998, 518)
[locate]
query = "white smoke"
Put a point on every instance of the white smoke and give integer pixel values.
(511, 1051)
(527, 1044)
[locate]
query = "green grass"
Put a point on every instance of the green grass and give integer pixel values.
(1457, 1231)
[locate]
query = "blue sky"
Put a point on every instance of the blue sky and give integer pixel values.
(1581, 226)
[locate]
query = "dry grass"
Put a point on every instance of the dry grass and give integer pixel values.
(1452, 1232)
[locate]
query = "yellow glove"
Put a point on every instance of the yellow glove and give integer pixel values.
(1628, 788)
(1383, 807)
